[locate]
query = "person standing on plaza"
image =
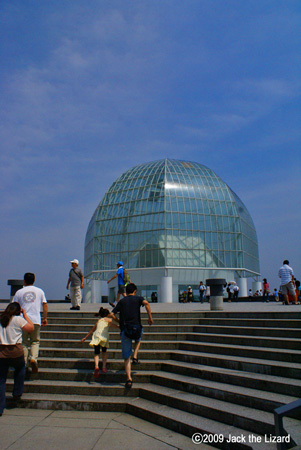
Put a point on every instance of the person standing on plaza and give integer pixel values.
(130, 326)
(11, 351)
(123, 280)
(76, 279)
(31, 298)
(235, 292)
(189, 294)
(202, 289)
(266, 289)
(286, 274)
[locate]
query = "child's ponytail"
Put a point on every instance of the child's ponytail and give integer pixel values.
(103, 312)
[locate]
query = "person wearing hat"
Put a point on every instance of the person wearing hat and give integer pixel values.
(76, 278)
(121, 283)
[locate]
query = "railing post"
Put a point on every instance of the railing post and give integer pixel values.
(216, 293)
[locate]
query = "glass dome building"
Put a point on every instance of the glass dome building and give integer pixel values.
(171, 218)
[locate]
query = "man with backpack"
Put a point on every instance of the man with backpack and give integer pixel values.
(123, 281)
(130, 326)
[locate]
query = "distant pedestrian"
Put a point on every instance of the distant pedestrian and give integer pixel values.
(250, 293)
(298, 290)
(154, 297)
(31, 299)
(76, 282)
(122, 281)
(12, 324)
(286, 274)
(275, 294)
(202, 289)
(100, 339)
(208, 293)
(189, 294)
(235, 292)
(130, 326)
(229, 292)
(266, 289)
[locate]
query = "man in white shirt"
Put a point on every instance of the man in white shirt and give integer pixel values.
(31, 298)
(286, 274)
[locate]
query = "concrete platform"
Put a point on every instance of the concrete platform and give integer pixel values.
(249, 306)
(27, 429)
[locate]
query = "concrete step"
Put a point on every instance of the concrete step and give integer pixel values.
(147, 351)
(292, 333)
(188, 314)
(236, 416)
(83, 350)
(162, 415)
(75, 402)
(92, 388)
(248, 419)
(270, 367)
(254, 341)
(190, 424)
(260, 381)
(241, 395)
(88, 364)
(78, 334)
(275, 354)
(265, 323)
(198, 370)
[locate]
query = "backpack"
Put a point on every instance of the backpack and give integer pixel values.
(132, 331)
(126, 277)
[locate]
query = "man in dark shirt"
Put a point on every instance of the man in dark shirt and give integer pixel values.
(129, 310)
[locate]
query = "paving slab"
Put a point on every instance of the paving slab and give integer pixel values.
(51, 430)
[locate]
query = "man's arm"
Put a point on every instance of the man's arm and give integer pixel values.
(148, 310)
(115, 276)
(45, 311)
(82, 285)
(69, 279)
(112, 316)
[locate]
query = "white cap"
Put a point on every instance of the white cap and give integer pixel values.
(75, 261)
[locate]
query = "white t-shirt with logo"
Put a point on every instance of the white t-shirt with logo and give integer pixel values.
(12, 334)
(31, 299)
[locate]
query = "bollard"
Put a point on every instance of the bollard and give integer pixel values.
(15, 285)
(216, 293)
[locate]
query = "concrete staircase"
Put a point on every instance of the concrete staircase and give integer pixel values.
(214, 373)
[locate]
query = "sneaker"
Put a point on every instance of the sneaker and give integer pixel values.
(34, 366)
(104, 370)
(77, 308)
(73, 308)
(112, 304)
(96, 373)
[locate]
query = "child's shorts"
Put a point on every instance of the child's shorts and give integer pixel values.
(97, 349)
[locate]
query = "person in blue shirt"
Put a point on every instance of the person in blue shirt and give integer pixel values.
(121, 285)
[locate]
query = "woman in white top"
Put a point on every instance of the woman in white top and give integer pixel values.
(11, 350)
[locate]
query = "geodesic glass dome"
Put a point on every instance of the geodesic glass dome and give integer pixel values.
(171, 213)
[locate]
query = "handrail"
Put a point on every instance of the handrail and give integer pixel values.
(279, 413)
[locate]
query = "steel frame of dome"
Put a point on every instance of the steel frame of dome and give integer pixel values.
(171, 215)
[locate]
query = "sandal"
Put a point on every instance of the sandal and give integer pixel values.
(135, 361)
(129, 384)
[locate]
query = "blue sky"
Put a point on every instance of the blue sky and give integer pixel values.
(90, 89)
